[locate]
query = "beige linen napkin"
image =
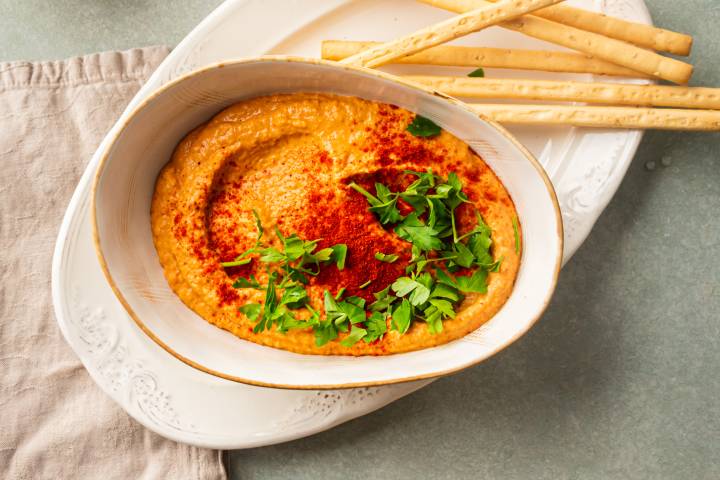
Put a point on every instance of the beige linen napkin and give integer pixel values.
(54, 422)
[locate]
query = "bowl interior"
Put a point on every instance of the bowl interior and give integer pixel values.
(124, 188)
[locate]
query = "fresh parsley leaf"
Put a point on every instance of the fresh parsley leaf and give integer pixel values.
(339, 254)
(418, 202)
(351, 310)
(442, 290)
(412, 229)
(356, 334)
(402, 316)
(443, 306)
(323, 255)
(438, 216)
(516, 230)
(294, 297)
(332, 310)
(388, 212)
(383, 300)
(376, 327)
(474, 283)
(272, 255)
(445, 279)
(419, 293)
(357, 301)
(416, 254)
(425, 181)
(387, 258)
(433, 317)
(463, 256)
(298, 275)
(251, 310)
(258, 225)
(324, 333)
(269, 308)
(425, 279)
(491, 266)
(385, 207)
(416, 193)
(479, 244)
(479, 73)
(240, 259)
(383, 193)
(454, 181)
(423, 127)
(480, 228)
(295, 247)
(289, 321)
(404, 285)
(246, 283)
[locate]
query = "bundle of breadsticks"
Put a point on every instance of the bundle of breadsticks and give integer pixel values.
(602, 45)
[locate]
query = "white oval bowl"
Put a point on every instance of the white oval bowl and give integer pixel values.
(123, 239)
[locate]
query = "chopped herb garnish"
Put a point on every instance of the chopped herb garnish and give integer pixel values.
(356, 334)
(340, 293)
(325, 332)
(402, 316)
(376, 325)
(384, 207)
(474, 283)
(241, 259)
(479, 73)
(350, 310)
(435, 241)
(387, 258)
(419, 293)
(340, 252)
(516, 230)
(236, 263)
(423, 127)
(383, 300)
(251, 310)
(430, 291)
(247, 282)
(421, 235)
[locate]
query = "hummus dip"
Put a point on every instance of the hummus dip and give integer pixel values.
(291, 159)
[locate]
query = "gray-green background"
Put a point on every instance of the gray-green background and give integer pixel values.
(620, 379)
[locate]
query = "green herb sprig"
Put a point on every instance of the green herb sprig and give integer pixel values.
(430, 290)
(423, 127)
(431, 228)
(288, 269)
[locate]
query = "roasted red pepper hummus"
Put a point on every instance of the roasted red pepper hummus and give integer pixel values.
(300, 162)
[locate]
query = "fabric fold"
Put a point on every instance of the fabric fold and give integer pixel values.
(56, 422)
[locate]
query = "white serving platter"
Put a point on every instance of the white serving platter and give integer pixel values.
(186, 405)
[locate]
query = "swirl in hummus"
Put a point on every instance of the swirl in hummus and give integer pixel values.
(300, 162)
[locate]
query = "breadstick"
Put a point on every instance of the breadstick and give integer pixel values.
(602, 117)
(606, 48)
(638, 34)
(452, 56)
(566, 91)
(471, 21)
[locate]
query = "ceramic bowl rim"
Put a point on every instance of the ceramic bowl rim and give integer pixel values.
(382, 75)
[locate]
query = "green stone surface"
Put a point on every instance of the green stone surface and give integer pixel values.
(620, 378)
